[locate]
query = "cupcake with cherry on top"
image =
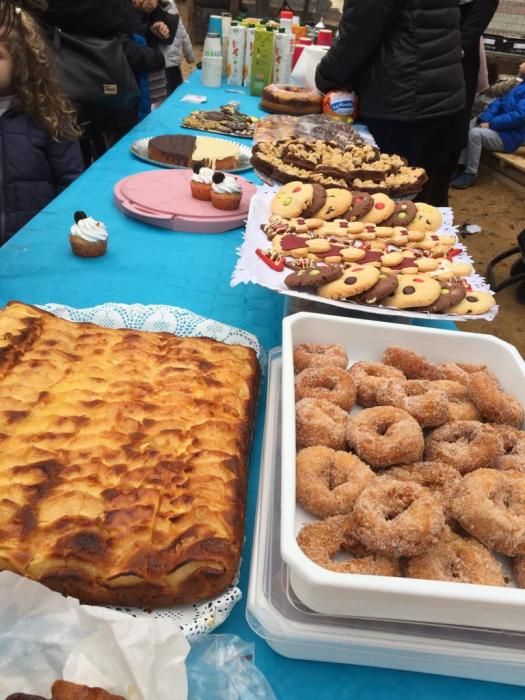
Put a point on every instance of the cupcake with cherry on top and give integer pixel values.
(226, 192)
(201, 182)
(88, 238)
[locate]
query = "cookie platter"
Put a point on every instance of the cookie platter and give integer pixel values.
(292, 629)
(392, 597)
(420, 270)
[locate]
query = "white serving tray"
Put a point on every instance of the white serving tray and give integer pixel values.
(274, 612)
(380, 596)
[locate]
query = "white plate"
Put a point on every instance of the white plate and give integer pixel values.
(381, 596)
(139, 149)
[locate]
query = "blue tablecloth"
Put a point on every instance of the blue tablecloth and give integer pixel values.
(153, 266)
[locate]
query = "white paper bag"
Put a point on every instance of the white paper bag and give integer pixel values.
(303, 73)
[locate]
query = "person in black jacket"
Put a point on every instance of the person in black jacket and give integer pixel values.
(403, 59)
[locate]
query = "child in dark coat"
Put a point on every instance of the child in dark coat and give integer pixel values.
(39, 151)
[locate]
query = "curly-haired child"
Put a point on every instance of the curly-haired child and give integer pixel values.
(39, 151)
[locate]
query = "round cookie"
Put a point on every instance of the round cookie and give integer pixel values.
(414, 291)
(362, 202)
(292, 199)
(312, 277)
(352, 254)
(452, 293)
(384, 287)
(318, 200)
(337, 203)
(448, 270)
(474, 303)
(382, 209)
(427, 264)
(404, 213)
(356, 279)
(427, 219)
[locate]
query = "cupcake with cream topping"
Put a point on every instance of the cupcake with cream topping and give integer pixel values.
(201, 183)
(88, 238)
(226, 192)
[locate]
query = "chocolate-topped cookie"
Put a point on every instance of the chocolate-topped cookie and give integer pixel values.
(451, 294)
(313, 277)
(362, 203)
(404, 213)
(318, 201)
(385, 285)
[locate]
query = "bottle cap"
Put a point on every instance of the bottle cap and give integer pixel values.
(286, 14)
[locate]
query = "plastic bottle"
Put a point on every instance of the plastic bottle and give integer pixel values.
(286, 20)
(283, 51)
(212, 61)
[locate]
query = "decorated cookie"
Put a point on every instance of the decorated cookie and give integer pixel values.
(384, 287)
(337, 203)
(414, 291)
(318, 200)
(474, 303)
(427, 219)
(353, 254)
(291, 244)
(341, 228)
(427, 264)
(318, 245)
(356, 279)
(392, 259)
(452, 293)
(400, 236)
(292, 199)
(362, 202)
(382, 209)
(404, 213)
(448, 270)
(312, 277)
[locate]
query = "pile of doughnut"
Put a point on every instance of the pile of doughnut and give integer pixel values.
(357, 247)
(427, 481)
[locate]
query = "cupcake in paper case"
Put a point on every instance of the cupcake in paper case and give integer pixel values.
(88, 238)
(201, 183)
(226, 192)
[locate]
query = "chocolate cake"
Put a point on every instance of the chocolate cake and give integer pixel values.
(186, 151)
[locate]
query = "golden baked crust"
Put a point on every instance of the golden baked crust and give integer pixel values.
(122, 459)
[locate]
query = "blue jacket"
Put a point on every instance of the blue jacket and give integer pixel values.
(506, 115)
(33, 170)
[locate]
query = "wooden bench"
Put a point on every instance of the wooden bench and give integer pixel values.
(510, 165)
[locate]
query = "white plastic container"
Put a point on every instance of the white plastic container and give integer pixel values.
(291, 629)
(248, 55)
(282, 61)
(236, 49)
(384, 597)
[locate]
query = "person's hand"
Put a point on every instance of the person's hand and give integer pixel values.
(484, 125)
(161, 30)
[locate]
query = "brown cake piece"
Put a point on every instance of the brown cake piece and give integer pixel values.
(186, 151)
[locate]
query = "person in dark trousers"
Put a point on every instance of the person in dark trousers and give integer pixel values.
(403, 59)
(39, 151)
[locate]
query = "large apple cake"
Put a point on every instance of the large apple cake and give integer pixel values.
(123, 459)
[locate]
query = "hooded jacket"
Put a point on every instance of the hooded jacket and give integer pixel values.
(402, 57)
(506, 115)
(33, 170)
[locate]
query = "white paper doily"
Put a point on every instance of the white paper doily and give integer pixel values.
(249, 267)
(200, 618)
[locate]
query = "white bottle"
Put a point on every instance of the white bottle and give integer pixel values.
(283, 52)
(212, 61)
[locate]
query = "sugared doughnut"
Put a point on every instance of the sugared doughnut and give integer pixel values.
(319, 355)
(427, 404)
(439, 478)
(490, 505)
(513, 456)
(385, 436)
(331, 383)
(322, 541)
(465, 445)
(518, 567)
(412, 364)
(368, 376)
(397, 518)
(458, 559)
(328, 482)
(320, 422)
(459, 371)
(460, 407)
(493, 403)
